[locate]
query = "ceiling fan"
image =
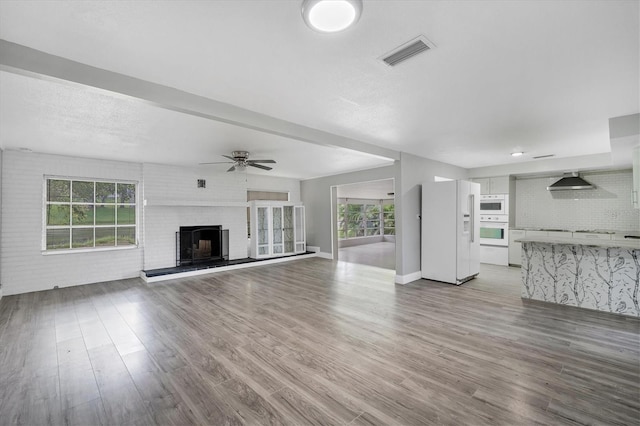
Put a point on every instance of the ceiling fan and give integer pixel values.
(240, 161)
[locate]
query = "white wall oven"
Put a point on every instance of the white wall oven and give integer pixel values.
(494, 230)
(497, 204)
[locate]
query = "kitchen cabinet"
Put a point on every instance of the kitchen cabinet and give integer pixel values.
(636, 178)
(493, 185)
(515, 249)
(277, 229)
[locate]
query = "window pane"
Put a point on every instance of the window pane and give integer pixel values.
(57, 239)
(371, 232)
(105, 192)
(105, 237)
(82, 192)
(82, 215)
(82, 237)
(105, 215)
(58, 190)
(372, 211)
(57, 215)
(126, 236)
(373, 224)
(126, 215)
(88, 204)
(126, 193)
(389, 223)
(389, 231)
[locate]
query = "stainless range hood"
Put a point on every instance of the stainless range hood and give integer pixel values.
(570, 181)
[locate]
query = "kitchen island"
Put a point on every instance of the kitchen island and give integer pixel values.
(592, 274)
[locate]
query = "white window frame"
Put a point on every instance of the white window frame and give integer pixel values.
(116, 204)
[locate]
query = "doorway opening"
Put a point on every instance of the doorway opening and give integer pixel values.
(365, 223)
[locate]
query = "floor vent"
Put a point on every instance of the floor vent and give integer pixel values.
(408, 50)
(544, 156)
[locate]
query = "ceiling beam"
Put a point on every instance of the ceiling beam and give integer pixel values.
(23, 60)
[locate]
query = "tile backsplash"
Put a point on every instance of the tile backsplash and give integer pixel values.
(608, 206)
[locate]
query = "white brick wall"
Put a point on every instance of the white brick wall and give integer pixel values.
(24, 267)
(607, 207)
(178, 184)
(164, 182)
(162, 223)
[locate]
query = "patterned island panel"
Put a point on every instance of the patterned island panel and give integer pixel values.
(587, 276)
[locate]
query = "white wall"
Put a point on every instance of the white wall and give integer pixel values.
(24, 267)
(272, 183)
(174, 200)
(409, 173)
(608, 207)
(316, 196)
(170, 192)
(414, 170)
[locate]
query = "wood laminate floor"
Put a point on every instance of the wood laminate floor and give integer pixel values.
(310, 342)
(382, 255)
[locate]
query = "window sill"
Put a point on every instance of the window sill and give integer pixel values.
(92, 250)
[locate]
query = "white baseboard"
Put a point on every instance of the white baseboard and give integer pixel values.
(321, 254)
(406, 279)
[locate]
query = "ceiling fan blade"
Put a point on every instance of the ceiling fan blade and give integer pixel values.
(261, 161)
(219, 162)
(229, 157)
(232, 168)
(259, 166)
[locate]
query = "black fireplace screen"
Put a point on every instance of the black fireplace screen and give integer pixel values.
(199, 244)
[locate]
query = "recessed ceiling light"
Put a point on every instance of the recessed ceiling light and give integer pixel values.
(331, 16)
(517, 154)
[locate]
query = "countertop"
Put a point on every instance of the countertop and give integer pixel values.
(629, 243)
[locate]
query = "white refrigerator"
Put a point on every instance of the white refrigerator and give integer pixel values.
(450, 231)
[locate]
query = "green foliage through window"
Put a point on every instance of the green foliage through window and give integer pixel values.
(365, 220)
(88, 214)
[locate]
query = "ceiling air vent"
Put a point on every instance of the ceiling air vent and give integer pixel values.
(544, 156)
(407, 50)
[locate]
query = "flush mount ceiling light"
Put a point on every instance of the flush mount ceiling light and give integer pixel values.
(331, 16)
(517, 154)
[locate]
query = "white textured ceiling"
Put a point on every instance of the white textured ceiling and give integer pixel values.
(69, 119)
(538, 76)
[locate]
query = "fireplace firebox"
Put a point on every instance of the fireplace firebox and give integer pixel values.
(201, 244)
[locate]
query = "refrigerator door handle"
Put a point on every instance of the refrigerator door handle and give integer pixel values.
(472, 223)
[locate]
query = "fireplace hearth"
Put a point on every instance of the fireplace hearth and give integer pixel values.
(201, 244)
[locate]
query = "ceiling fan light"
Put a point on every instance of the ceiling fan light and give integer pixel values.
(330, 16)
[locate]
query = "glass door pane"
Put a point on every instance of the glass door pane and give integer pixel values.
(299, 225)
(287, 225)
(263, 231)
(277, 229)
